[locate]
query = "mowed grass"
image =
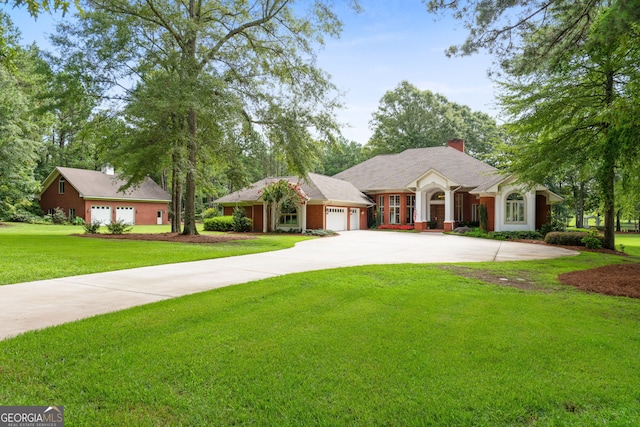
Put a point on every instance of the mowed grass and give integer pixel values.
(631, 243)
(35, 252)
(374, 345)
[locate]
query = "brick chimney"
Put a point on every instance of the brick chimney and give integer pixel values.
(458, 144)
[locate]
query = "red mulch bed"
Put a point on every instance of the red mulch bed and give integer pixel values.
(172, 237)
(616, 279)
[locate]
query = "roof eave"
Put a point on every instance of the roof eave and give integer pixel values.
(125, 199)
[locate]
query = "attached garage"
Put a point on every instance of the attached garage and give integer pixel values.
(336, 218)
(330, 204)
(101, 214)
(126, 214)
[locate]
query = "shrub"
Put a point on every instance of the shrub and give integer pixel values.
(515, 235)
(553, 225)
(219, 223)
(91, 227)
(572, 238)
(23, 216)
(241, 223)
(504, 235)
(59, 217)
(210, 213)
(77, 221)
(484, 217)
(119, 227)
(592, 240)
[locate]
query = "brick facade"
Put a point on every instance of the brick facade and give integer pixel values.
(543, 211)
(490, 203)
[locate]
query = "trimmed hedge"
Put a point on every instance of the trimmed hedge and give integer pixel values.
(515, 235)
(504, 235)
(569, 238)
(395, 227)
(219, 223)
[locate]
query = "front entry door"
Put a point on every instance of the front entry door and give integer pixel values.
(437, 214)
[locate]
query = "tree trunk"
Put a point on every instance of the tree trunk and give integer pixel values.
(176, 198)
(190, 192)
(580, 207)
(618, 215)
(609, 207)
(609, 171)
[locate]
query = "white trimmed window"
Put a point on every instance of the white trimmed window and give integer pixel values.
(459, 206)
(381, 208)
(515, 209)
(61, 182)
(394, 209)
(411, 205)
(72, 214)
(474, 213)
(289, 216)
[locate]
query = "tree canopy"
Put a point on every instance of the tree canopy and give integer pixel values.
(221, 73)
(576, 111)
(408, 117)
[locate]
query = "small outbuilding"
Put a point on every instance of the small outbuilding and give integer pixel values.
(96, 196)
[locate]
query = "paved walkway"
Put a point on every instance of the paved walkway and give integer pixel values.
(35, 305)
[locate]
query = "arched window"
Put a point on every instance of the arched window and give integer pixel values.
(515, 209)
(439, 196)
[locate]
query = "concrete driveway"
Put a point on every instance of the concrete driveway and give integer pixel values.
(35, 305)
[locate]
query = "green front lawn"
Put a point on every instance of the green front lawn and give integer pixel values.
(35, 252)
(631, 243)
(374, 345)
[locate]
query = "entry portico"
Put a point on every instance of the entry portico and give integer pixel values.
(434, 200)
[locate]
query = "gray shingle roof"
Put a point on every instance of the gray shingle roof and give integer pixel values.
(318, 188)
(397, 171)
(95, 184)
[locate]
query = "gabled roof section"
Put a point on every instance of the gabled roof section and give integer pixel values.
(318, 188)
(97, 185)
(492, 183)
(393, 171)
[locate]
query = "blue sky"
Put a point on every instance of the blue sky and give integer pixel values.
(390, 41)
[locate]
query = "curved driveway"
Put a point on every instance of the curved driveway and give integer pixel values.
(35, 305)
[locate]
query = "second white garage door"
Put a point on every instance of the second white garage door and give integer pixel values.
(354, 222)
(336, 218)
(126, 214)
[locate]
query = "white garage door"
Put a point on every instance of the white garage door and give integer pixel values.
(102, 214)
(126, 214)
(354, 221)
(336, 219)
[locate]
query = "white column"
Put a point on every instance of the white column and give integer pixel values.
(498, 212)
(448, 206)
(303, 221)
(420, 207)
(530, 198)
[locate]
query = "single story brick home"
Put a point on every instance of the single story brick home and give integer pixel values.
(332, 204)
(441, 187)
(428, 188)
(95, 196)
